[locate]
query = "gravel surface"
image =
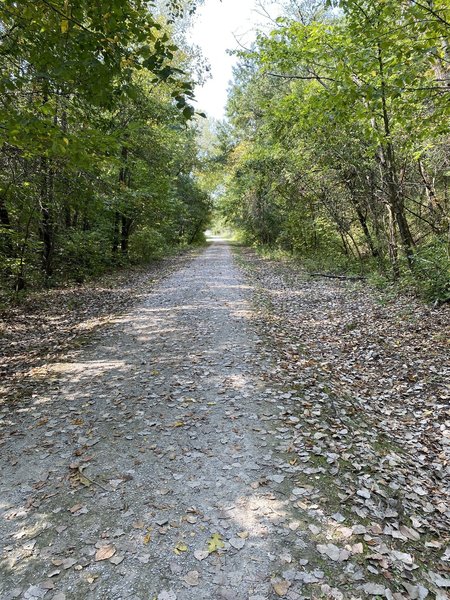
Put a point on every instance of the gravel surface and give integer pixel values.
(156, 462)
(148, 443)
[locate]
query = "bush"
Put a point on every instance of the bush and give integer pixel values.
(147, 244)
(431, 271)
(83, 254)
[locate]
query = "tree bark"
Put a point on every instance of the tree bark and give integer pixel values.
(124, 182)
(115, 243)
(435, 207)
(395, 198)
(125, 234)
(4, 215)
(46, 226)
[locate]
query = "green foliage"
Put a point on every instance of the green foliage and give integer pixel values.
(147, 244)
(81, 255)
(98, 159)
(339, 137)
(431, 274)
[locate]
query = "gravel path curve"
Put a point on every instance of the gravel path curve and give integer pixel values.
(142, 467)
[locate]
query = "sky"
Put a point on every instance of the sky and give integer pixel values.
(218, 27)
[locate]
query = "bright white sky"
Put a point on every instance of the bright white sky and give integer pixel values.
(217, 27)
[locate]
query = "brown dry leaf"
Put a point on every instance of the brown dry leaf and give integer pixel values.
(105, 552)
(191, 519)
(281, 587)
(138, 525)
(191, 578)
(147, 537)
(57, 562)
(201, 554)
(68, 562)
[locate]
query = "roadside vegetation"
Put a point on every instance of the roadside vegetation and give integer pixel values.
(98, 153)
(337, 145)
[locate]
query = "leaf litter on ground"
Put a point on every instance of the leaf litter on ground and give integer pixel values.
(365, 409)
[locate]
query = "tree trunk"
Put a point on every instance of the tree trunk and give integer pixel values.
(435, 207)
(362, 221)
(125, 235)
(395, 198)
(393, 250)
(115, 243)
(5, 223)
(46, 227)
(124, 182)
(4, 216)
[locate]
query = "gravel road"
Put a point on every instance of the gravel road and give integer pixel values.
(203, 446)
(142, 467)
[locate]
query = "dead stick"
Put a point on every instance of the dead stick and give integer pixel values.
(344, 277)
(81, 472)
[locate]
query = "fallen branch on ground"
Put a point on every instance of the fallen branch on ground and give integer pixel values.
(345, 277)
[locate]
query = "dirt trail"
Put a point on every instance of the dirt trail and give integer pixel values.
(157, 463)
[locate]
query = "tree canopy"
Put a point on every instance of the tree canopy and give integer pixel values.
(339, 137)
(97, 154)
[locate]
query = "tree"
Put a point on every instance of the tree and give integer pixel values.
(346, 107)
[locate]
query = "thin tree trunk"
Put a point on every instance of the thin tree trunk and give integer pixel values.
(363, 222)
(124, 182)
(393, 249)
(344, 243)
(46, 227)
(115, 243)
(433, 202)
(4, 215)
(388, 163)
(125, 234)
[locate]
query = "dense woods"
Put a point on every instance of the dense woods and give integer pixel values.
(335, 147)
(338, 144)
(96, 151)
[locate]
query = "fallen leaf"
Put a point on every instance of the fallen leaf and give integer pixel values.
(281, 587)
(439, 580)
(191, 578)
(415, 592)
(138, 525)
(314, 529)
(167, 595)
(215, 542)
(180, 547)
(147, 537)
(237, 543)
(374, 589)
(191, 519)
(68, 562)
(105, 552)
(333, 552)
